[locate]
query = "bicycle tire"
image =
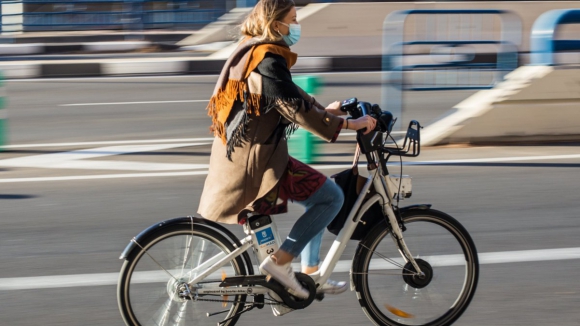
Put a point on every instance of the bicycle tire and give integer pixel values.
(443, 249)
(139, 268)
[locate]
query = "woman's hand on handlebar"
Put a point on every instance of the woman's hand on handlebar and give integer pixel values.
(363, 122)
(334, 108)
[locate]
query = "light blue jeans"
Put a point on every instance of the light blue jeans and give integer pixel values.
(310, 255)
(306, 235)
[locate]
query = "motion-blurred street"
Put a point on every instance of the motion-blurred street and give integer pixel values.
(93, 161)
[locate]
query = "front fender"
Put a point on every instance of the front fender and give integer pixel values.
(413, 207)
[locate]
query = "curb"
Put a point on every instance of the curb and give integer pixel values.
(50, 48)
(177, 66)
(95, 36)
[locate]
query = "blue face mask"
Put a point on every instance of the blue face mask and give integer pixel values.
(293, 35)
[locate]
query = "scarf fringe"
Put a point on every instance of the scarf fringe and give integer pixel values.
(258, 104)
(225, 98)
(238, 136)
(290, 129)
(255, 104)
(295, 103)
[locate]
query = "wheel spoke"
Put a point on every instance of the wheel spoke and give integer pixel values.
(152, 279)
(385, 258)
(186, 252)
(154, 260)
(179, 318)
(163, 313)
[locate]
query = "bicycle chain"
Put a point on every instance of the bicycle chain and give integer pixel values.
(271, 303)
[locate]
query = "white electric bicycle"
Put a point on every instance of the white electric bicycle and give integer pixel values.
(414, 265)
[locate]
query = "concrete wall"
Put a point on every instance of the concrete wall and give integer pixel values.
(547, 109)
(365, 21)
(534, 103)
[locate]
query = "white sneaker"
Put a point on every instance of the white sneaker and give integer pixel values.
(285, 275)
(333, 287)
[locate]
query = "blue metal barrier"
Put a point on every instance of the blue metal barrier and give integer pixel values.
(46, 15)
(456, 72)
(543, 43)
(245, 3)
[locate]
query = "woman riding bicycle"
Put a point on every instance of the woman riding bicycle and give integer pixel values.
(255, 107)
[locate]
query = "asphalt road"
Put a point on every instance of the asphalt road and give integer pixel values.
(87, 170)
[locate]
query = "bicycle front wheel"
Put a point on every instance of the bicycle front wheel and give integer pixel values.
(389, 289)
(155, 272)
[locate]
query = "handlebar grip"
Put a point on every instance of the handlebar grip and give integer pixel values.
(365, 108)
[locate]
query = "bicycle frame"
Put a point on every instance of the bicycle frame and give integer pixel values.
(361, 206)
(383, 195)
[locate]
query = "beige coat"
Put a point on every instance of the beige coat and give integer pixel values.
(231, 187)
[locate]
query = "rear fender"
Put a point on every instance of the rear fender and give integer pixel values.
(187, 220)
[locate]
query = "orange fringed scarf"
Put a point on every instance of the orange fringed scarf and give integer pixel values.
(232, 83)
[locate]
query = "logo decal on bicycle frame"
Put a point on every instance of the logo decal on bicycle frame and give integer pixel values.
(265, 236)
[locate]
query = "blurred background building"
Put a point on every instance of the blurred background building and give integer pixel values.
(75, 15)
(45, 15)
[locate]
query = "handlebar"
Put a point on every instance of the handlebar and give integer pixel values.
(356, 109)
(373, 141)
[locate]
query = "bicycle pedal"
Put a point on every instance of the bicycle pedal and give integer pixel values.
(319, 296)
(259, 301)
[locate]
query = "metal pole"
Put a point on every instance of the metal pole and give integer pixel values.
(3, 115)
(12, 17)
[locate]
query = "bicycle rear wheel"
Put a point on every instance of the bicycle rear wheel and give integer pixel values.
(153, 272)
(389, 290)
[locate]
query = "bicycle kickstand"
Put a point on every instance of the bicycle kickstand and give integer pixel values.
(246, 309)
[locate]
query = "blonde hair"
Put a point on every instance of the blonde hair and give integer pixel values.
(265, 13)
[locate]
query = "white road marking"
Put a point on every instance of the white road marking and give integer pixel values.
(160, 166)
(500, 159)
(343, 266)
(475, 160)
(115, 142)
(103, 176)
(74, 159)
(127, 142)
(132, 103)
